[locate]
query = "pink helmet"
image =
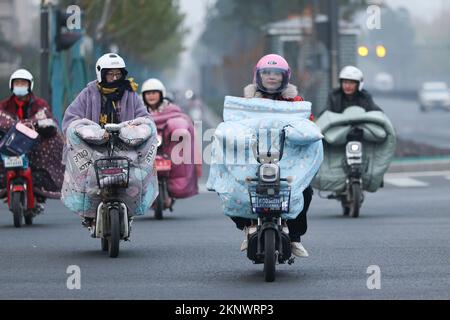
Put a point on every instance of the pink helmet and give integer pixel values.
(273, 62)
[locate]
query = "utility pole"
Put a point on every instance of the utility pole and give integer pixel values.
(333, 38)
(45, 51)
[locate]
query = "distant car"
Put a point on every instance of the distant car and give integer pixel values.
(434, 95)
(384, 82)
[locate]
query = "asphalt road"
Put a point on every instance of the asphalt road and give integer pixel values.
(194, 253)
(412, 124)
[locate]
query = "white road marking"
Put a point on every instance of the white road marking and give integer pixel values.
(405, 182)
(202, 189)
(417, 174)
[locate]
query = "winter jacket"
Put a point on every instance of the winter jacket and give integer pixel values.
(45, 157)
(338, 101)
(87, 105)
(182, 181)
(289, 94)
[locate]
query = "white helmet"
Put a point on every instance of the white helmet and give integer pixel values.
(108, 61)
(154, 85)
(352, 73)
(21, 74)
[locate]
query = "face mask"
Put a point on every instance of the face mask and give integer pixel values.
(20, 91)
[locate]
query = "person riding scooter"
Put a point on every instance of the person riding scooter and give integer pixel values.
(169, 118)
(357, 129)
(111, 99)
(45, 158)
(350, 93)
(271, 81)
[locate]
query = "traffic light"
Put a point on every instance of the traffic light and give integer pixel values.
(363, 51)
(66, 35)
(381, 51)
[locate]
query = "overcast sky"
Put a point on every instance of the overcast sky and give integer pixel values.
(195, 14)
(195, 11)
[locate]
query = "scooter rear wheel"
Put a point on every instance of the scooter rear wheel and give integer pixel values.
(29, 219)
(159, 208)
(104, 243)
(345, 208)
(269, 255)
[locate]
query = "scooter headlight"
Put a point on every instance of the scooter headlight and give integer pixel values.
(269, 173)
(354, 152)
(354, 148)
(159, 139)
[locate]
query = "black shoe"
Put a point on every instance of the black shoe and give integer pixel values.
(40, 199)
(38, 209)
(87, 222)
(171, 205)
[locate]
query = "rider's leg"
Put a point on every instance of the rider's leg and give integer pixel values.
(248, 226)
(241, 223)
(298, 226)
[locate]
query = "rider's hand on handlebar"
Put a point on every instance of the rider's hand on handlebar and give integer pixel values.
(106, 135)
(28, 123)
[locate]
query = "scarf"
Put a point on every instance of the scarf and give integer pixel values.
(112, 93)
(20, 106)
(160, 107)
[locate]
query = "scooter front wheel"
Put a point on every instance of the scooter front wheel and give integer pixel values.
(356, 200)
(269, 255)
(17, 208)
(114, 239)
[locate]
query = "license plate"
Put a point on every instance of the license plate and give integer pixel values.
(13, 162)
(111, 171)
(268, 203)
(163, 165)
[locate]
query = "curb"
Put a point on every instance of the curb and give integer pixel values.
(413, 165)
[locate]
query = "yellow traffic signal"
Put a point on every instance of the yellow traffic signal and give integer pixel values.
(363, 51)
(381, 51)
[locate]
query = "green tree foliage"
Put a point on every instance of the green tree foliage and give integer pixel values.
(145, 30)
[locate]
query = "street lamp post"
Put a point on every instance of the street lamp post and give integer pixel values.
(333, 24)
(45, 51)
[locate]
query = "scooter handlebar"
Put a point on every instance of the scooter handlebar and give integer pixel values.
(112, 127)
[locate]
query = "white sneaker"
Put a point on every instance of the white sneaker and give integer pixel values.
(285, 229)
(92, 231)
(247, 231)
(298, 250)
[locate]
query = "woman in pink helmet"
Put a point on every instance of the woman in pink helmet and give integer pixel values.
(271, 81)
